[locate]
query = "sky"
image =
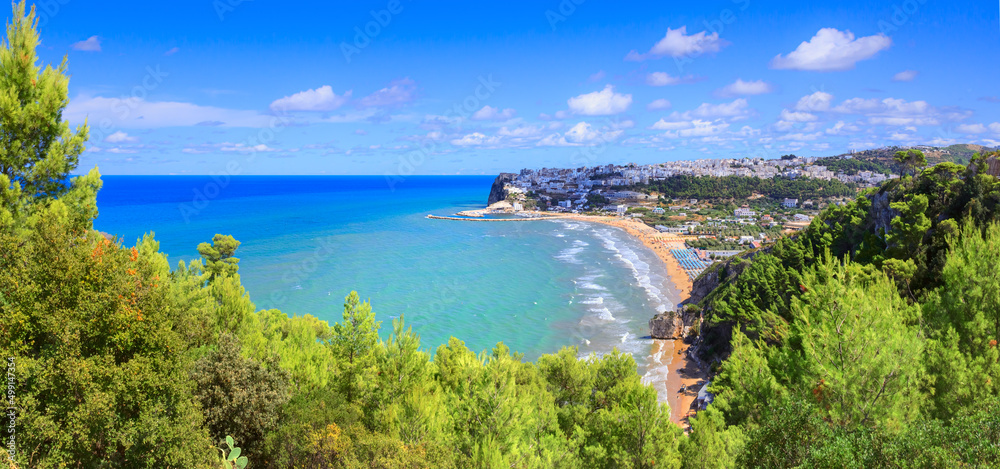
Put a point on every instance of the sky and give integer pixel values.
(401, 87)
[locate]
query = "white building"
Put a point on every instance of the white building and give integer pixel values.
(621, 209)
(566, 203)
(518, 207)
(744, 213)
(801, 217)
(790, 203)
(659, 211)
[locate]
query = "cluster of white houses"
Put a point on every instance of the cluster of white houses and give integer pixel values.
(571, 186)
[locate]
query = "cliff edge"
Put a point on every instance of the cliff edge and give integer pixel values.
(499, 191)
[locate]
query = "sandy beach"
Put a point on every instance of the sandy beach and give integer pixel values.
(681, 372)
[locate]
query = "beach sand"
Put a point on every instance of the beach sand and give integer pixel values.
(681, 371)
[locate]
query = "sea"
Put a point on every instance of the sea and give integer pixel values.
(308, 241)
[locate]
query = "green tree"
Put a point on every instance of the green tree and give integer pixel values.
(218, 256)
(354, 344)
(911, 159)
(37, 148)
(860, 345)
(964, 312)
(239, 396)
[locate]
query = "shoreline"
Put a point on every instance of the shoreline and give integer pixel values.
(669, 356)
(669, 364)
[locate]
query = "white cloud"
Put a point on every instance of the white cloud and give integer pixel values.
(801, 137)
(475, 139)
(489, 113)
(734, 110)
(398, 92)
(172, 51)
(665, 79)
(141, 114)
(898, 112)
(677, 43)
(995, 128)
(905, 75)
(971, 129)
(670, 125)
(832, 50)
(698, 128)
(744, 88)
(818, 101)
(91, 44)
(120, 150)
(525, 131)
(599, 103)
(797, 116)
(319, 99)
(658, 105)
(120, 137)
(841, 127)
(581, 134)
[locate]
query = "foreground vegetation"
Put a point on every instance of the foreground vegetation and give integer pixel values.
(858, 344)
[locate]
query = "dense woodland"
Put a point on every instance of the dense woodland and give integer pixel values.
(739, 187)
(850, 346)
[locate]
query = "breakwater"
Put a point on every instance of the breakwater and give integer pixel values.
(439, 217)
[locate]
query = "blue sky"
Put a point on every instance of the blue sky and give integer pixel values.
(257, 87)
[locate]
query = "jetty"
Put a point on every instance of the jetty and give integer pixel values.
(547, 217)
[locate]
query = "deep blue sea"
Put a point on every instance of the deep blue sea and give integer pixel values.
(307, 241)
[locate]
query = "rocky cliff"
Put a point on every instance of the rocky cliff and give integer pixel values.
(671, 324)
(498, 192)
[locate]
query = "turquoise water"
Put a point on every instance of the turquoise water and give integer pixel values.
(308, 241)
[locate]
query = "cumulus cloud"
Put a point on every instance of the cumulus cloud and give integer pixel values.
(832, 50)
(841, 128)
(489, 113)
(319, 99)
(661, 79)
(398, 92)
(139, 113)
(971, 129)
(697, 128)
(599, 103)
(120, 137)
(797, 116)
(475, 139)
(818, 101)
(581, 134)
(677, 43)
(91, 44)
(905, 75)
(744, 88)
(658, 104)
(898, 112)
(735, 110)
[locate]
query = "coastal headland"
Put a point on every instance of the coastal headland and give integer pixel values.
(681, 371)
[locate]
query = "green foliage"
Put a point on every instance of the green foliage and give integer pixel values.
(37, 148)
(218, 256)
(740, 187)
(238, 396)
(911, 159)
